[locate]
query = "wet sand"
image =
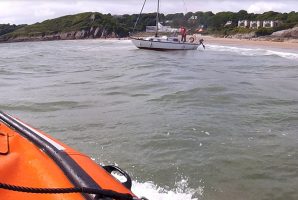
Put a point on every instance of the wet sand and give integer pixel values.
(256, 42)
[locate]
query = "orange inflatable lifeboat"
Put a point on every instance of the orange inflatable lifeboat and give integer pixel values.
(34, 166)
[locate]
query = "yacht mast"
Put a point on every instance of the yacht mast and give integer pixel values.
(157, 19)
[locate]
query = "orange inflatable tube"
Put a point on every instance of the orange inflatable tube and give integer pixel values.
(30, 158)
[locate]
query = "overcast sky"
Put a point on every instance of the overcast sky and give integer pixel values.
(32, 11)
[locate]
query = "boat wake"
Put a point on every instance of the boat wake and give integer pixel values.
(154, 192)
(254, 52)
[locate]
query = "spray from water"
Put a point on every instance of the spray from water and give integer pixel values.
(154, 192)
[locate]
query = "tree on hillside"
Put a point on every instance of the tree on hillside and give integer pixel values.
(7, 28)
(242, 15)
(292, 17)
(271, 15)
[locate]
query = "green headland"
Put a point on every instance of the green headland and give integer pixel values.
(98, 25)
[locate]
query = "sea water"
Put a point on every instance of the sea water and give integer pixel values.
(219, 123)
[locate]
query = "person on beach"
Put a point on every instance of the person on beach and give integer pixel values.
(183, 34)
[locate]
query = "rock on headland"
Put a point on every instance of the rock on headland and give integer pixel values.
(93, 32)
(289, 33)
(70, 27)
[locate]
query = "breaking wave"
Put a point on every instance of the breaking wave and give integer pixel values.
(154, 192)
(254, 52)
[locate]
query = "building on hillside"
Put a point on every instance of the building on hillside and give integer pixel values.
(192, 18)
(255, 24)
(258, 24)
(229, 23)
(243, 23)
(168, 21)
(270, 23)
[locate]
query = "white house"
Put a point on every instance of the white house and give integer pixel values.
(229, 23)
(270, 23)
(267, 24)
(256, 24)
(243, 23)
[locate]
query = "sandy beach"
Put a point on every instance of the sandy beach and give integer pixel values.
(256, 42)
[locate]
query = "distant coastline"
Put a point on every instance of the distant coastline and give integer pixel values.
(264, 41)
(73, 35)
(94, 25)
(290, 36)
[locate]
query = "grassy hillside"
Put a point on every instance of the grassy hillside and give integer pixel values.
(69, 23)
(94, 24)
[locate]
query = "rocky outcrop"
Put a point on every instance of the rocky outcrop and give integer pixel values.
(80, 34)
(243, 35)
(67, 35)
(93, 32)
(289, 33)
(97, 32)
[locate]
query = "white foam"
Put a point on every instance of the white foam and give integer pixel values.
(288, 55)
(154, 192)
(254, 52)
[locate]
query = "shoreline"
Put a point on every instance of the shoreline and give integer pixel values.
(267, 42)
(254, 42)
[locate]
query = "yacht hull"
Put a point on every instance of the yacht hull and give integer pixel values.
(164, 45)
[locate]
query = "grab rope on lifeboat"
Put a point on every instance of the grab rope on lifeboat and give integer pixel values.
(191, 39)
